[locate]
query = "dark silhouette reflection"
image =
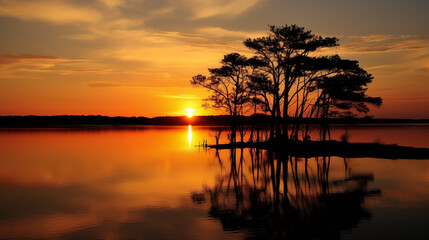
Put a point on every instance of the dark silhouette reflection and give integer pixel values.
(271, 195)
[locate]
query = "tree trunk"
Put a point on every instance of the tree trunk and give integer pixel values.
(233, 128)
(285, 116)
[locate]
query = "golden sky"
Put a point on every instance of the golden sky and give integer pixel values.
(136, 57)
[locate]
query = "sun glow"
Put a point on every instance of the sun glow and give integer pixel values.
(189, 112)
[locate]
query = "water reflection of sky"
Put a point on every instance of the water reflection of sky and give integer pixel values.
(136, 183)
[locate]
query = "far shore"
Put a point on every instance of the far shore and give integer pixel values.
(97, 120)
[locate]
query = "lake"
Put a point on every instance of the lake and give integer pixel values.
(146, 182)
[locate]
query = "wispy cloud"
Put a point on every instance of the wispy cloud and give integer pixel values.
(219, 32)
(383, 44)
(381, 37)
(53, 11)
(112, 3)
(180, 96)
(124, 37)
(64, 70)
(103, 85)
(413, 63)
(210, 8)
(23, 58)
(12, 65)
(410, 99)
(162, 91)
(116, 84)
(9, 64)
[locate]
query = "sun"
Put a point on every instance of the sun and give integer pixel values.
(189, 112)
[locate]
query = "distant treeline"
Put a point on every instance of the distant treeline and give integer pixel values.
(257, 119)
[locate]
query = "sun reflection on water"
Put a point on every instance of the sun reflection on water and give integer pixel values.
(189, 135)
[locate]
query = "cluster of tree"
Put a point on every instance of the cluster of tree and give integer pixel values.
(286, 78)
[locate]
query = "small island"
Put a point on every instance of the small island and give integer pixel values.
(296, 87)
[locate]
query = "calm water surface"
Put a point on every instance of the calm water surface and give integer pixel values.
(153, 183)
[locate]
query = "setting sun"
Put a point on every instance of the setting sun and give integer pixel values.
(189, 112)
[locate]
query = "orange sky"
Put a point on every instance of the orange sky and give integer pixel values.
(136, 57)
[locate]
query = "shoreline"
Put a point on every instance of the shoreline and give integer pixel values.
(334, 148)
(218, 120)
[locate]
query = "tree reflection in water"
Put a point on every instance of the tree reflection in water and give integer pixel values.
(271, 195)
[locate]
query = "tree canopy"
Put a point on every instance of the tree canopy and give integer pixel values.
(287, 78)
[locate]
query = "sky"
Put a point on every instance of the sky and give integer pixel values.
(136, 57)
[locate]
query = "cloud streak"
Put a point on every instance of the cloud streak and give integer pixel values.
(10, 65)
(56, 12)
(179, 96)
(210, 8)
(383, 44)
(17, 59)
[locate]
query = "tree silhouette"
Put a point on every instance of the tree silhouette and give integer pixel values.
(343, 91)
(285, 53)
(228, 87)
(289, 80)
